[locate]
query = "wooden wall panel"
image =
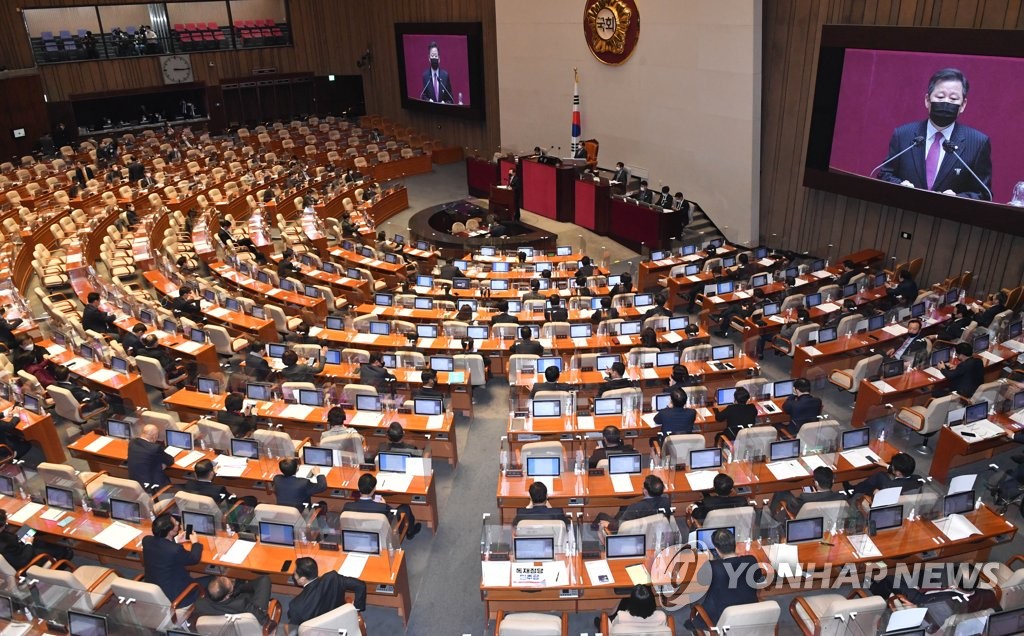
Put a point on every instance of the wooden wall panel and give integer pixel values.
(810, 220)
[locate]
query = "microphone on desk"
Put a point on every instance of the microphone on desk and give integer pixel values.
(949, 147)
(913, 144)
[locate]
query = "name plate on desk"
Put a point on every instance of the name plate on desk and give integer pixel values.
(523, 575)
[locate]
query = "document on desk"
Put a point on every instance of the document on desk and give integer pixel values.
(701, 479)
(860, 457)
(906, 619)
(622, 483)
(693, 278)
(580, 342)
(495, 573)
(297, 411)
(1015, 345)
(956, 527)
(238, 552)
(55, 350)
(218, 312)
(778, 319)
(424, 343)
(585, 422)
(394, 482)
(25, 512)
(991, 357)
(364, 338)
(769, 407)
(982, 429)
(705, 413)
(649, 374)
(672, 337)
(435, 422)
(230, 466)
(743, 295)
(863, 546)
(821, 273)
(1018, 417)
(188, 347)
(883, 386)
(98, 444)
(599, 572)
(638, 574)
(814, 461)
(716, 299)
(16, 629)
(624, 340)
(648, 419)
(353, 565)
(547, 343)
(829, 307)
(895, 330)
(556, 574)
(53, 514)
(188, 459)
(935, 372)
(117, 535)
(887, 497)
(812, 351)
(103, 375)
(788, 469)
(366, 418)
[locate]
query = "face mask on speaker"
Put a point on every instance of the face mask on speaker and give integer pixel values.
(943, 114)
(435, 63)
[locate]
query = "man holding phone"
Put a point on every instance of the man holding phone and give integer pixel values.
(166, 561)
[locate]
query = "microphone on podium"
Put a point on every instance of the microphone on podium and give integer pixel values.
(913, 144)
(950, 148)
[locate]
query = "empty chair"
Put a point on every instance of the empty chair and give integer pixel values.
(850, 379)
(82, 588)
(751, 619)
(341, 620)
(676, 448)
(530, 624)
(659, 529)
(283, 323)
(1007, 582)
(351, 444)
(751, 443)
(554, 528)
(350, 391)
(216, 435)
(153, 375)
(379, 523)
(473, 364)
(833, 512)
(145, 605)
(278, 443)
(223, 342)
(542, 449)
(818, 436)
(817, 614)
(926, 420)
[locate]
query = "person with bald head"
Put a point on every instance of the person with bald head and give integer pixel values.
(147, 459)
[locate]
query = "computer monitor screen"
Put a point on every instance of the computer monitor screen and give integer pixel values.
(818, 265)
(442, 363)
(287, 285)
(892, 369)
(424, 281)
(352, 272)
(917, 310)
(725, 396)
(657, 256)
(827, 334)
(534, 549)
(380, 328)
(477, 332)
(608, 406)
(813, 300)
(499, 285)
(729, 261)
(179, 439)
(770, 310)
(629, 328)
(248, 448)
(207, 385)
(391, 462)
(500, 266)
(595, 303)
(547, 408)
(463, 302)
(1013, 330)
(330, 268)
(258, 312)
(83, 624)
(202, 523)
(603, 363)
(886, 517)
(643, 300)
(675, 323)
(688, 249)
(976, 412)
(705, 458)
(88, 353)
(1006, 623)
(759, 281)
(383, 300)
(311, 397)
(6, 608)
(723, 352)
(263, 277)
(725, 287)
(425, 304)
(317, 456)
(232, 304)
(666, 358)
(792, 272)
(980, 343)
(368, 403)
(545, 283)
(259, 391)
(333, 356)
(544, 363)
(119, 364)
(626, 546)
(460, 283)
(691, 270)
(461, 264)
(662, 401)
(786, 449)
(624, 464)
(879, 280)
(1018, 400)
(336, 323)
(422, 246)
(427, 406)
(124, 510)
(360, 541)
(426, 331)
(939, 356)
(761, 252)
(146, 316)
(803, 530)
(856, 438)
(277, 533)
(515, 306)
(580, 331)
(31, 403)
(876, 322)
(543, 466)
(276, 350)
(119, 429)
(488, 250)
(390, 361)
(958, 504)
(7, 485)
(849, 290)
(61, 498)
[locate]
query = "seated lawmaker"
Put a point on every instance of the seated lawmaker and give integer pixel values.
(966, 375)
(428, 386)
(369, 501)
(738, 415)
(899, 472)
(821, 490)
(525, 345)
(294, 371)
(905, 291)
(539, 508)
(321, 593)
(295, 491)
(732, 582)
(503, 317)
(614, 379)
(677, 418)
(187, 305)
(374, 373)
(242, 424)
(550, 383)
(801, 406)
(655, 501)
(721, 496)
(612, 443)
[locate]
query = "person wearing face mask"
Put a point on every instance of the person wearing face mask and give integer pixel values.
(437, 87)
(930, 163)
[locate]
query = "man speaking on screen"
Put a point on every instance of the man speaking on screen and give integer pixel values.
(938, 153)
(436, 85)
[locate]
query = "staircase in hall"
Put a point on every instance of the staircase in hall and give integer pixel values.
(700, 228)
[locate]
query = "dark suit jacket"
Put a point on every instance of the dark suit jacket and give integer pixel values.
(645, 508)
(646, 196)
(209, 489)
(716, 502)
(814, 497)
(250, 597)
(539, 512)
(973, 146)
(131, 342)
(444, 88)
(675, 420)
(505, 318)
(905, 290)
(146, 462)
(136, 171)
(302, 372)
(449, 271)
(241, 425)
(721, 594)
(166, 564)
(802, 409)
(611, 385)
(736, 417)
(622, 176)
(966, 377)
(602, 453)
(373, 375)
(550, 386)
(556, 315)
(884, 479)
(984, 318)
(96, 319)
(297, 491)
(323, 594)
(256, 366)
(528, 347)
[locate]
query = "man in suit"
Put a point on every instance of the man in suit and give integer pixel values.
(437, 86)
(503, 317)
(539, 507)
(132, 341)
(136, 171)
(395, 436)
(293, 371)
(585, 269)
(905, 291)
(296, 491)
(172, 369)
(242, 424)
(721, 497)
(166, 562)
(801, 406)
(930, 164)
(187, 305)
(450, 271)
(644, 195)
(665, 200)
(821, 490)
(914, 343)
(525, 345)
(555, 311)
(621, 174)
(550, 383)
(899, 472)
(614, 379)
(515, 183)
(534, 293)
(203, 484)
(370, 502)
(612, 443)
(732, 582)
(966, 376)
(83, 173)
(321, 593)
(676, 418)
(95, 318)
(985, 317)
(147, 459)
(90, 401)
(428, 386)
(226, 596)
(256, 366)
(849, 271)
(655, 502)
(374, 373)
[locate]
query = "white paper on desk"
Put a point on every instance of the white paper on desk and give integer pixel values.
(55, 350)
(394, 482)
(859, 457)
(585, 422)
(304, 472)
(1015, 345)
(672, 337)
(188, 459)
(366, 418)
(693, 279)
(188, 347)
(435, 422)
(580, 342)
(785, 559)
(25, 512)
(828, 307)
(424, 343)
(418, 466)
(173, 450)
(895, 330)
(906, 619)
(961, 483)
(648, 419)
(717, 299)
(935, 372)
(297, 411)
(414, 376)
(814, 461)
(117, 535)
(586, 313)
(812, 351)
(364, 338)
(495, 573)
(218, 312)
(52, 514)
(622, 483)
(701, 479)
(98, 444)
(883, 386)
(1018, 417)
(778, 319)
(649, 374)
(16, 629)
(743, 295)
(887, 497)
(788, 469)
(863, 546)
(769, 406)
(547, 343)
(555, 573)
(238, 551)
(599, 572)
(956, 527)
(624, 340)
(991, 357)
(76, 362)
(377, 310)
(705, 413)
(315, 331)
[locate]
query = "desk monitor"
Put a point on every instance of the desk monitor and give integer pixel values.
(147, 316)
(952, 295)
(792, 272)
(318, 456)
(876, 322)
(629, 327)
(677, 323)
(703, 538)
(488, 250)
(849, 290)
(688, 249)
(657, 256)
(1018, 401)
(543, 466)
(259, 391)
(691, 270)
(276, 350)
(666, 358)
(595, 303)
(424, 281)
(856, 438)
(976, 412)
(353, 273)
(336, 323)
(760, 252)
(624, 464)
(62, 498)
(368, 252)
(941, 355)
(380, 328)
(368, 403)
(7, 485)
(442, 363)
(603, 363)
(119, 429)
(329, 268)
(390, 361)
(463, 265)
(6, 608)
(958, 504)
(1013, 330)
(89, 353)
(583, 330)
(563, 250)
(770, 309)
(180, 439)
(426, 331)
(232, 304)
(759, 280)
(465, 302)
(428, 406)
(515, 306)
(608, 406)
(546, 408)
(534, 549)
(207, 385)
(545, 283)
(827, 334)
(723, 352)
(1006, 623)
(729, 261)
(643, 300)
(813, 300)
(786, 449)
(333, 356)
(544, 362)
(917, 310)
(724, 397)
(500, 284)
(423, 303)
(248, 448)
(818, 265)
(31, 403)
(878, 280)
(391, 462)
(263, 277)
(277, 533)
(626, 546)
(383, 300)
(525, 250)
(287, 285)
(892, 369)
(725, 287)
(360, 541)
(543, 266)
(84, 624)
(119, 364)
(886, 517)
(979, 344)
(460, 283)
(311, 397)
(705, 458)
(124, 510)
(477, 332)
(422, 246)
(803, 530)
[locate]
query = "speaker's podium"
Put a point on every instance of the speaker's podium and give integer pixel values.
(593, 204)
(548, 188)
(502, 202)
